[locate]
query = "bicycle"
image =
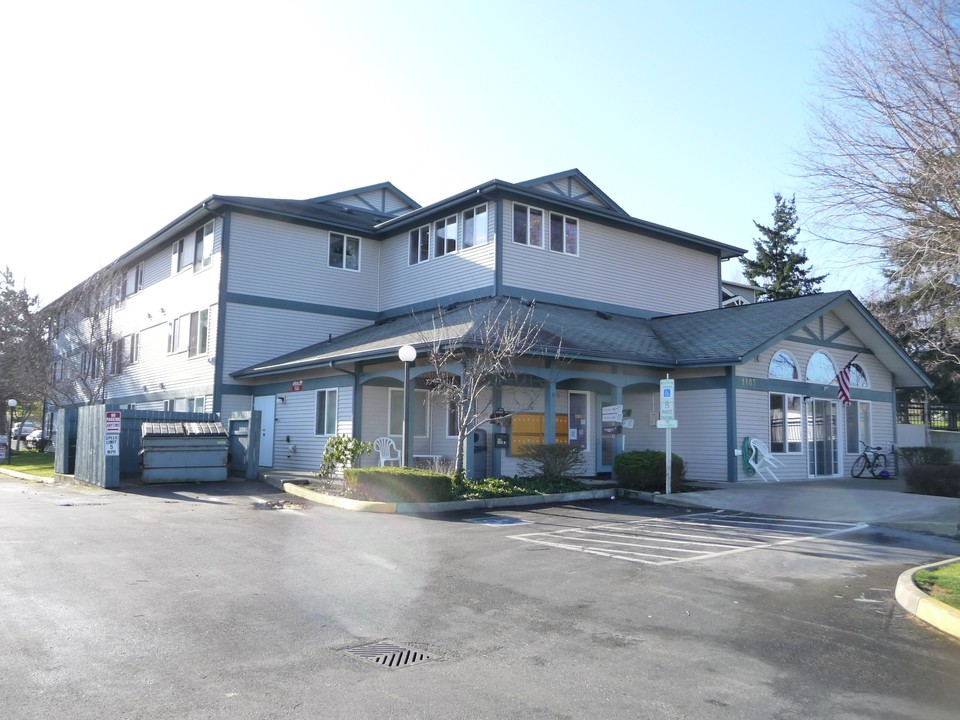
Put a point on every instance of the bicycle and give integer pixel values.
(870, 459)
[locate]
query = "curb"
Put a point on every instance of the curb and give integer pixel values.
(26, 476)
(930, 610)
(442, 507)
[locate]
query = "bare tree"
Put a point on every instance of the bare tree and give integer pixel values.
(86, 350)
(886, 155)
(478, 351)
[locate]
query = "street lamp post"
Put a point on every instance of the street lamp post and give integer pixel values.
(12, 404)
(407, 353)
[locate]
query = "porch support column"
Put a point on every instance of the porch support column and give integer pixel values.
(492, 452)
(732, 444)
(550, 413)
(618, 439)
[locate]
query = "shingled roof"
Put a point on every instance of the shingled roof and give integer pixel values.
(709, 338)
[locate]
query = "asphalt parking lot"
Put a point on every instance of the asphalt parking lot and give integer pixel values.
(236, 601)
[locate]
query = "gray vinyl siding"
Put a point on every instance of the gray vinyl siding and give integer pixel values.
(296, 420)
(290, 262)
(615, 266)
(402, 284)
(255, 334)
(231, 404)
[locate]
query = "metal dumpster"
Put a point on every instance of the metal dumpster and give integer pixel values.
(183, 452)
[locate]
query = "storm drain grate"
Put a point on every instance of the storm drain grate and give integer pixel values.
(390, 655)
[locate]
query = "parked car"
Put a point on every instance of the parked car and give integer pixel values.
(34, 438)
(22, 429)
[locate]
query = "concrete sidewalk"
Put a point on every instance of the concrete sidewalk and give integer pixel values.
(875, 501)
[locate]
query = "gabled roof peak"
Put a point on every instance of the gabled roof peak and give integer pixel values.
(574, 185)
(383, 198)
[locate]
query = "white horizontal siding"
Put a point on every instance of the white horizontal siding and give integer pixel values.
(466, 270)
(296, 444)
(615, 266)
(254, 334)
(290, 262)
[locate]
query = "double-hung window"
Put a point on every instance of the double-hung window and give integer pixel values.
(786, 423)
(564, 234)
(134, 280)
(180, 258)
(203, 246)
(475, 226)
(445, 236)
(133, 348)
(527, 225)
(420, 245)
(344, 252)
(198, 334)
(326, 416)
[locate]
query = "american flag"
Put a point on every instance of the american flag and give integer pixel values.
(843, 385)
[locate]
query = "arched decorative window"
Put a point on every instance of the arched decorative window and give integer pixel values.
(858, 378)
(783, 366)
(820, 368)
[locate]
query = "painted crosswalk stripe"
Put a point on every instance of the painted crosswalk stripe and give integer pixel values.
(667, 541)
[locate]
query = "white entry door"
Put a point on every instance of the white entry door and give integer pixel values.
(267, 405)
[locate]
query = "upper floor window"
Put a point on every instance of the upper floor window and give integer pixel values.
(445, 236)
(564, 234)
(820, 368)
(133, 348)
(858, 378)
(344, 252)
(475, 226)
(180, 259)
(527, 225)
(189, 332)
(420, 245)
(134, 280)
(203, 246)
(783, 366)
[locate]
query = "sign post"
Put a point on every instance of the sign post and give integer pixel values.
(668, 422)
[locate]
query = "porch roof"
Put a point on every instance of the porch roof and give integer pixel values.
(724, 336)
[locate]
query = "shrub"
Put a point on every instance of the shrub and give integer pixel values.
(943, 480)
(926, 455)
(646, 470)
(550, 460)
(392, 484)
(342, 451)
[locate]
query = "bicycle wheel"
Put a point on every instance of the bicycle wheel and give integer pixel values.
(879, 465)
(859, 465)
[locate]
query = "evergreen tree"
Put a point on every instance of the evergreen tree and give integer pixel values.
(779, 269)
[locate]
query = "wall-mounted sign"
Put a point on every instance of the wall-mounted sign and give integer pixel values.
(296, 386)
(113, 421)
(111, 444)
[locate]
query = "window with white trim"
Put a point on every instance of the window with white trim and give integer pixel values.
(445, 236)
(134, 280)
(180, 259)
(527, 225)
(133, 348)
(475, 226)
(564, 234)
(786, 423)
(326, 415)
(203, 246)
(189, 333)
(344, 252)
(420, 245)
(820, 368)
(453, 420)
(200, 404)
(784, 366)
(857, 416)
(421, 412)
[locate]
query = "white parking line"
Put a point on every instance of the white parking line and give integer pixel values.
(667, 541)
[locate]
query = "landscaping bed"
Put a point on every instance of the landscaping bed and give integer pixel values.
(942, 583)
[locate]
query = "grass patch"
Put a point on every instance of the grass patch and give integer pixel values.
(468, 489)
(32, 462)
(942, 583)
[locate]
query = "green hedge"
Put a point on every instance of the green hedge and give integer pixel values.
(392, 484)
(943, 480)
(647, 470)
(927, 455)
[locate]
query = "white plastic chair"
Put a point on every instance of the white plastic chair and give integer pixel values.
(762, 460)
(387, 450)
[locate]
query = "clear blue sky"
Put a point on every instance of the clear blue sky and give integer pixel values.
(119, 116)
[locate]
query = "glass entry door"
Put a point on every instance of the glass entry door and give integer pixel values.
(606, 441)
(822, 438)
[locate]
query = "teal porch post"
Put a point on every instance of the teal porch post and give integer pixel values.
(550, 413)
